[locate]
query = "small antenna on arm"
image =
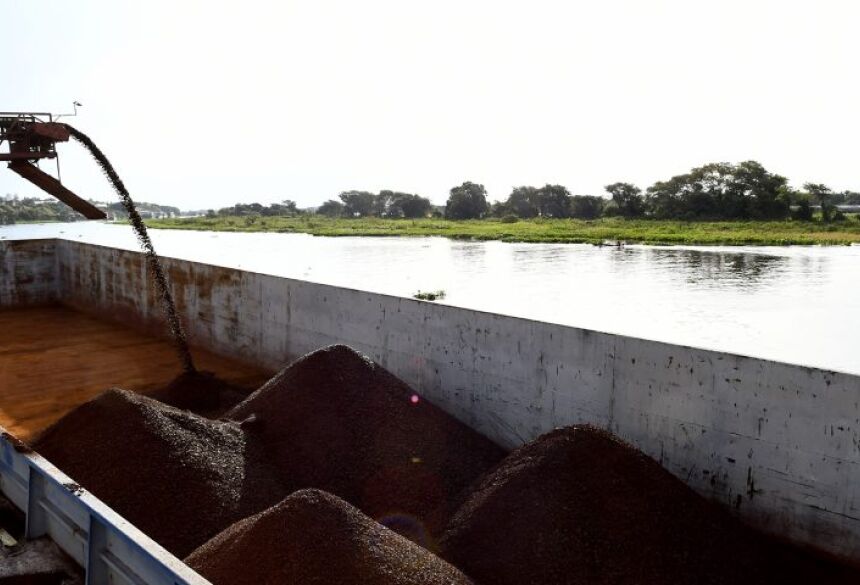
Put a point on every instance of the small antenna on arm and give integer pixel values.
(75, 105)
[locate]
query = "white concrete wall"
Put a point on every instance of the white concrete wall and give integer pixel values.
(778, 443)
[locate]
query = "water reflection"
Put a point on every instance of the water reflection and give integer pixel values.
(468, 257)
(710, 268)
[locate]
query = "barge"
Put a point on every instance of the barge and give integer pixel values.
(775, 443)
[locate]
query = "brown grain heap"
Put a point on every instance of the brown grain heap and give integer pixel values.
(202, 393)
(578, 506)
(178, 477)
(314, 537)
(336, 421)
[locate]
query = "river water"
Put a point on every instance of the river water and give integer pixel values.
(796, 304)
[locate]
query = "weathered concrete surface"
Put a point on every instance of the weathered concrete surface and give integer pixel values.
(28, 272)
(778, 443)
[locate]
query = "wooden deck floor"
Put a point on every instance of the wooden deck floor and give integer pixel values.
(53, 359)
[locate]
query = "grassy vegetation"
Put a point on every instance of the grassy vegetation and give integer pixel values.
(766, 233)
(433, 295)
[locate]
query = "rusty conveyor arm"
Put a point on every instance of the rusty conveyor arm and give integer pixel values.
(51, 185)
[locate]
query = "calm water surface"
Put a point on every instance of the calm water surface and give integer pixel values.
(796, 304)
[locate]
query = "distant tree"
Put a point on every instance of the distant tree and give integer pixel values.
(846, 198)
(358, 203)
(522, 202)
(586, 206)
(821, 193)
(331, 208)
(802, 210)
(285, 208)
(553, 201)
(721, 191)
(211, 213)
(382, 202)
(468, 201)
(409, 206)
(546, 201)
(499, 209)
(766, 195)
(242, 209)
(627, 198)
(666, 199)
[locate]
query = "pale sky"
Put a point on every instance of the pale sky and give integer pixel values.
(203, 104)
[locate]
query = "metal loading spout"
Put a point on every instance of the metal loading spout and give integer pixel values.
(52, 186)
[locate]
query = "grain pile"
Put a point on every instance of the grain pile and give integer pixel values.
(336, 421)
(202, 393)
(578, 506)
(314, 537)
(178, 477)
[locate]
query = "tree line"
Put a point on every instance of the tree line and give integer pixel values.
(716, 191)
(284, 208)
(386, 203)
(14, 209)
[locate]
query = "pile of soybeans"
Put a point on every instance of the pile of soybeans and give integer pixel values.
(335, 471)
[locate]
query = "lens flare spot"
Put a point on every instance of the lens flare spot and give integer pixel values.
(408, 526)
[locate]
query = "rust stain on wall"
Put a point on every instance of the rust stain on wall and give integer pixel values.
(28, 272)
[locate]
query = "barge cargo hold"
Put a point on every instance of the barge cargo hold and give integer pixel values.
(776, 443)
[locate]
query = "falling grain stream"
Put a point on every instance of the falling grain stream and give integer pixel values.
(158, 275)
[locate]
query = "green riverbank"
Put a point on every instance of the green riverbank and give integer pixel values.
(762, 233)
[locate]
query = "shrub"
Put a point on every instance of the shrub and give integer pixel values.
(429, 295)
